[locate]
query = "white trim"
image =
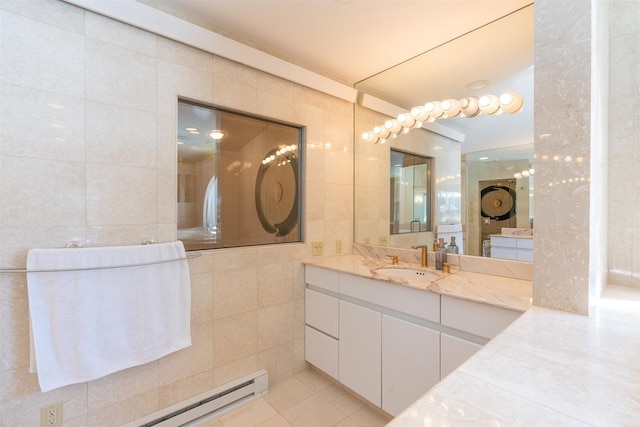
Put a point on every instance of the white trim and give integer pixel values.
(392, 110)
(166, 25)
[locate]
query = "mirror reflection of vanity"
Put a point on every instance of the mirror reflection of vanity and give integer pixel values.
(487, 207)
(469, 155)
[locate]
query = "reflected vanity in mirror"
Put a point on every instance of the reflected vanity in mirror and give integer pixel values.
(478, 63)
(494, 198)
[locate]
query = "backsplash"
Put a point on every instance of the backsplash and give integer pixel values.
(493, 266)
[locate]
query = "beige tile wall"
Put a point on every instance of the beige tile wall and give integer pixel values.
(87, 152)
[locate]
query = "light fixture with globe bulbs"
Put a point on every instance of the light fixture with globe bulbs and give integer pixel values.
(491, 105)
(525, 173)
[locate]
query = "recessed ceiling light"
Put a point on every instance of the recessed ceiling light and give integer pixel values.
(484, 158)
(478, 84)
(180, 142)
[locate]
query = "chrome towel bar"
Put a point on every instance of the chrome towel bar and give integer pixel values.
(146, 241)
(141, 264)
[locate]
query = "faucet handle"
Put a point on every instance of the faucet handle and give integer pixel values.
(446, 267)
(394, 259)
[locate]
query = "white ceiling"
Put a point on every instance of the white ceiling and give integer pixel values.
(353, 40)
(349, 40)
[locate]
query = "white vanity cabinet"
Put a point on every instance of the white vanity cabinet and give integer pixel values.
(360, 354)
(387, 342)
(513, 248)
(410, 362)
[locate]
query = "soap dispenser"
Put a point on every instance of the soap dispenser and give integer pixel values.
(441, 254)
(453, 248)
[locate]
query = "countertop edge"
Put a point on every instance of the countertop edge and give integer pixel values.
(362, 266)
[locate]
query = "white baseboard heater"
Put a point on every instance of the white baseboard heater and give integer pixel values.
(208, 405)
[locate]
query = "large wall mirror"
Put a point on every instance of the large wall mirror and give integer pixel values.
(471, 157)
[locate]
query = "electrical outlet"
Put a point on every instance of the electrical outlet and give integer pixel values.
(51, 416)
(367, 241)
(338, 246)
(316, 248)
(383, 241)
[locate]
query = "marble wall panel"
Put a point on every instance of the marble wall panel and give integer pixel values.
(562, 154)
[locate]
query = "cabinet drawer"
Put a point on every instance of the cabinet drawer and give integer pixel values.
(454, 352)
(415, 302)
(525, 255)
(503, 253)
(476, 318)
(322, 278)
(525, 243)
(321, 312)
(321, 351)
(505, 242)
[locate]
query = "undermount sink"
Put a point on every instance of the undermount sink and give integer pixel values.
(409, 273)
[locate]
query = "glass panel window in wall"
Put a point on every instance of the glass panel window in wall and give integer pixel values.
(238, 178)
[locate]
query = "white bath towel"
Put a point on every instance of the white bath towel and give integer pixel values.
(90, 323)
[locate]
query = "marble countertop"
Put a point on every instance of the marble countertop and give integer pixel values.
(512, 236)
(511, 293)
(548, 368)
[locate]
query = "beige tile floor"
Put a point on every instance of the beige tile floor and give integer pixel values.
(308, 399)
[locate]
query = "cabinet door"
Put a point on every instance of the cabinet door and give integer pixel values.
(454, 352)
(410, 362)
(504, 253)
(359, 350)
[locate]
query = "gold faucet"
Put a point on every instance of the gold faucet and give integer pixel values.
(394, 259)
(446, 267)
(423, 259)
